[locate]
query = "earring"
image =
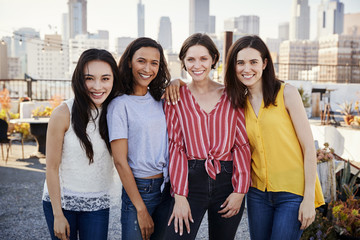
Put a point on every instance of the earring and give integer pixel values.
(245, 92)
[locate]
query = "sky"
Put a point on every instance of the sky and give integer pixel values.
(119, 17)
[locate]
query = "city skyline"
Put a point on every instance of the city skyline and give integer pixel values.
(120, 17)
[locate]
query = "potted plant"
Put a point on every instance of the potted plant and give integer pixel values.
(306, 101)
(326, 172)
(346, 218)
(346, 109)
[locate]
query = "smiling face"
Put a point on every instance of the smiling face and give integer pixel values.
(249, 67)
(144, 66)
(99, 80)
(198, 62)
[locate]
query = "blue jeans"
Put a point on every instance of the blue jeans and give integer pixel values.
(157, 204)
(273, 215)
(88, 225)
(207, 194)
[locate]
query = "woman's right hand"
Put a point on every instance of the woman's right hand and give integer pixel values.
(61, 228)
(146, 224)
(181, 212)
(172, 93)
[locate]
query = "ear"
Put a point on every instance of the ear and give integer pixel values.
(265, 63)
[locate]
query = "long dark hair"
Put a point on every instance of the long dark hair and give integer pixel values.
(81, 109)
(235, 88)
(158, 85)
(203, 40)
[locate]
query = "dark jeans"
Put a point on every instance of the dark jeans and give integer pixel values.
(89, 225)
(206, 194)
(273, 215)
(157, 204)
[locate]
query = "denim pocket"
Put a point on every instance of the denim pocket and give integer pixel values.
(226, 167)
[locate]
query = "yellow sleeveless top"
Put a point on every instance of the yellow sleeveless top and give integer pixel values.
(277, 159)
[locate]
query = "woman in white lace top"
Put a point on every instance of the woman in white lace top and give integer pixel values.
(79, 166)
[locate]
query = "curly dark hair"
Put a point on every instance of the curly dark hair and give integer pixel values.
(235, 88)
(162, 79)
(81, 109)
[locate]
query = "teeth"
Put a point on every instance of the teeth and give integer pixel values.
(247, 76)
(199, 72)
(97, 94)
(144, 76)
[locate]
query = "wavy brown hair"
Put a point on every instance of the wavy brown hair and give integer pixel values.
(81, 109)
(162, 79)
(235, 88)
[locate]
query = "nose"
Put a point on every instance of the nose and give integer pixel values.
(97, 84)
(247, 67)
(147, 67)
(197, 64)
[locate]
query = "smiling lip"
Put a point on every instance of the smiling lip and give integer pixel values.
(248, 76)
(198, 72)
(97, 95)
(144, 76)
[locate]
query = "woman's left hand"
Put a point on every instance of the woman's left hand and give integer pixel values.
(232, 205)
(306, 213)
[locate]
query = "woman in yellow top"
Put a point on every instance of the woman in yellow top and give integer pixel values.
(285, 188)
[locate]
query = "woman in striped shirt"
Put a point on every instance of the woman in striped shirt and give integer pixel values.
(209, 162)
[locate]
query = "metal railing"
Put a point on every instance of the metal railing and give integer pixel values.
(318, 72)
(37, 89)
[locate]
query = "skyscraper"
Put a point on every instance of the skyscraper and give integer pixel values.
(141, 19)
(212, 23)
(77, 17)
(165, 33)
(300, 20)
(199, 16)
(330, 18)
(284, 31)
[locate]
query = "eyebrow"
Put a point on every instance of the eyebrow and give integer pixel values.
(146, 59)
(106, 74)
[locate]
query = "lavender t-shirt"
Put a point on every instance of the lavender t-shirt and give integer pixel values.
(141, 120)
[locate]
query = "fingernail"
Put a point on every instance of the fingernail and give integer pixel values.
(168, 103)
(173, 103)
(221, 206)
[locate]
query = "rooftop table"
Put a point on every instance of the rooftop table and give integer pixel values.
(38, 128)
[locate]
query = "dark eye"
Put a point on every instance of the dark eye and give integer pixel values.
(155, 63)
(106, 78)
(88, 78)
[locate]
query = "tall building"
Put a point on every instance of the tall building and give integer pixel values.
(352, 24)
(339, 56)
(299, 28)
(165, 33)
(77, 17)
(243, 24)
(284, 31)
(121, 44)
(141, 19)
(296, 56)
(330, 18)
(212, 23)
(199, 16)
(65, 28)
(48, 60)
(3, 61)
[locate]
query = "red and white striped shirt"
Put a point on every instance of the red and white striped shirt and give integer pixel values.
(196, 134)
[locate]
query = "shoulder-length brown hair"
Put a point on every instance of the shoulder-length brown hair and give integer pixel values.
(203, 40)
(235, 89)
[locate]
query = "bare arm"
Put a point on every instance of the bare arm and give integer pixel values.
(301, 124)
(58, 125)
(120, 150)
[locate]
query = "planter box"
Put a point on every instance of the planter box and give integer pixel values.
(326, 173)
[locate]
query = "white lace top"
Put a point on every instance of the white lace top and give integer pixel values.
(84, 186)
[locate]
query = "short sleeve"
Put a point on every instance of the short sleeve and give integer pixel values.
(117, 119)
